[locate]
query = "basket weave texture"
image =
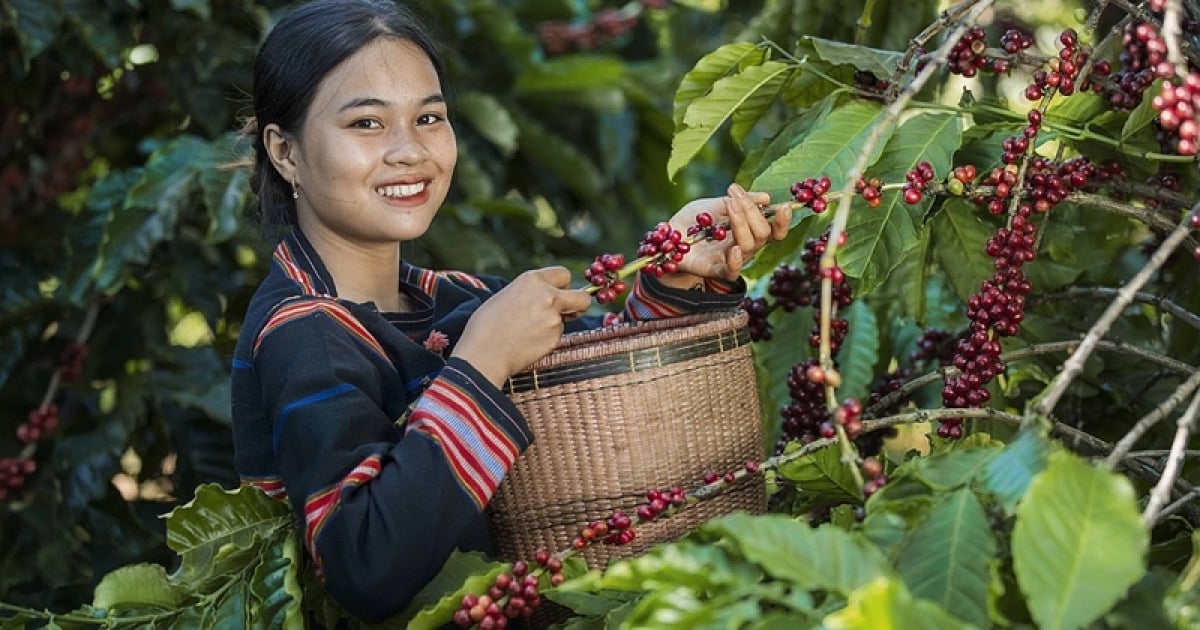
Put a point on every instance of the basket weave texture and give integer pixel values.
(621, 410)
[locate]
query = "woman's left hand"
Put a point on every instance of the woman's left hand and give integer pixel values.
(748, 232)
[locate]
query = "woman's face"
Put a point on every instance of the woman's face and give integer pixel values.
(375, 156)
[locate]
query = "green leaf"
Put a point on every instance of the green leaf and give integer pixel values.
(169, 173)
(491, 119)
(226, 193)
(136, 585)
(1142, 115)
(209, 531)
(1078, 543)
(748, 115)
(881, 63)
(830, 150)
(880, 236)
(1009, 474)
(947, 559)
(557, 155)
(229, 610)
(960, 238)
(886, 603)
(707, 113)
(822, 475)
(570, 73)
(859, 352)
(38, 23)
(463, 572)
(275, 588)
(826, 558)
(688, 564)
(200, 8)
(711, 67)
(950, 470)
(792, 134)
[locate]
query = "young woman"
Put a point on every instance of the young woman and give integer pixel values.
(366, 391)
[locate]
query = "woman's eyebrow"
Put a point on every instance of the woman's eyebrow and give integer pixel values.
(370, 101)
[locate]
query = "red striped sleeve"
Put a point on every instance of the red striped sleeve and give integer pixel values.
(321, 505)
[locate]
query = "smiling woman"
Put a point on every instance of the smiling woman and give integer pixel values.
(365, 389)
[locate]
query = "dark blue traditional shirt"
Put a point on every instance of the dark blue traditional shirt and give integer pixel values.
(387, 451)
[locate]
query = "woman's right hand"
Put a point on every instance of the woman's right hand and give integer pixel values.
(521, 323)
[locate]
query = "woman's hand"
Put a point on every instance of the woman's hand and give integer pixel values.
(521, 323)
(749, 231)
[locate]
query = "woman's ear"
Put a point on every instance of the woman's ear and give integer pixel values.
(280, 147)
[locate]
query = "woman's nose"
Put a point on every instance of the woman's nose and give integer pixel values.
(405, 147)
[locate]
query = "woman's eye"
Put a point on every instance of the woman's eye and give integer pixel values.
(429, 119)
(366, 123)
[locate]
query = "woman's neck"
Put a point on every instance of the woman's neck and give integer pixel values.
(363, 273)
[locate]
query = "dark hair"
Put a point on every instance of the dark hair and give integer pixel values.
(293, 60)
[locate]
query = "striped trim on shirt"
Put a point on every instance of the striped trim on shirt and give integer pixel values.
(428, 280)
(336, 311)
(644, 303)
(271, 486)
(321, 505)
(478, 451)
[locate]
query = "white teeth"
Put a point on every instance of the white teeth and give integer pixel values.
(400, 190)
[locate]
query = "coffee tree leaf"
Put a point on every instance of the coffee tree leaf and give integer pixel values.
(1073, 509)
(879, 237)
(949, 470)
(947, 557)
(219, 529)
(595, 604)
(821, 476)
(229, 610)
(747, 116)
(1143, 115)
(707, 113)
(275, 588)
(859, 352)
(133, 585)
(885, 603)
(881, 63)
(687, 564)
(683, 608)
(830, 150)
(826, 558)
(434, 606)
(554, 153)
(1008, 475)
(890, 524)
(711, 67)
(792, 133)
(226, 192)
(961, 237)
(37, 23)
(569, 73)
(491, 119)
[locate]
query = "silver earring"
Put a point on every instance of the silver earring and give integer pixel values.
(295, 191)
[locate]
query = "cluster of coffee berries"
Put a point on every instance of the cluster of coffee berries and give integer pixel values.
(667, 245)
(843, 293)
(917, 181)
(793, 288)
(811, 193)
(657, 502)
(13, 472)
(40, 421)
(512, 595)
(1144, 56)
(560, 37)
(602, 274)
(960, 178)
(805, 416)
(71, 361)
(969, 53)
(1063, 72)
(758, 324)
(933, 345)
(706, 227)
(1178, 109)
(872, 470)
(870, 190)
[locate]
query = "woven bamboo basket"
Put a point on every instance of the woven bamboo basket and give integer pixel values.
(617, 411)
